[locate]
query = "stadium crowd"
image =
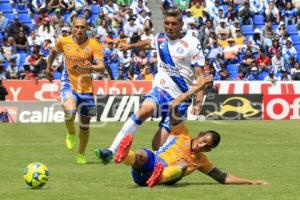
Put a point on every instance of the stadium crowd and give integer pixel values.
(241, 39)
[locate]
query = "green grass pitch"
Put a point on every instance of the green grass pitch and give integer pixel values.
(267, 150)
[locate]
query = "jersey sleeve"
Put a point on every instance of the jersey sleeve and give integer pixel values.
(97, 51)
(197, 57)
(154, 41)
(59, 45)
(204, 164)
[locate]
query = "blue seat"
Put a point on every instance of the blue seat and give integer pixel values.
(22, 9)
(247, 29)
(10, 16)
(6, 7)
(258, 20)
(66, 16)
(23, 56)
(297, 47)
(295, 39)
(274, 26)
(30, 25)
(25, 18)
(298, 56)
(56, 75)
(114, 68)
(262, 75)
(292, 29)
(4, 1)
(95, 8)
(233, 70)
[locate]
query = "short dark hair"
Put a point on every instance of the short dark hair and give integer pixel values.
(173, 12)
(216, 138)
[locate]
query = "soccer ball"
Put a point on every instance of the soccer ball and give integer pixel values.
(36, 175)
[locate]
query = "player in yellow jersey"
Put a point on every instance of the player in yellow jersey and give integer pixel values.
(80, 53)
(179, 156)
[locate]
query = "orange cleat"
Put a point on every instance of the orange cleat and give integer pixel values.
(123, 148)
(157, 172)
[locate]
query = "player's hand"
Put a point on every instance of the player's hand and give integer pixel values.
(123, 46)
(259, 182)
(49, 75)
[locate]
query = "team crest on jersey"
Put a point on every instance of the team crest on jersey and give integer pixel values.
(68, 47)
(87, 50)
(179, 50)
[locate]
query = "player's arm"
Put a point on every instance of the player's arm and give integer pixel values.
(50, 61)
(224, 178)
(143, 44)
(98, 58)
(199, 95)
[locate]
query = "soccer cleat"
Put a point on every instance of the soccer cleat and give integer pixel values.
(70, 141)
(123, 148)
(80, 159)
(105, 155)
(157, 172)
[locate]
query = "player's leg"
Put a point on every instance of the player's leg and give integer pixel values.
(86, 109)
(70, 107)
(159, 138)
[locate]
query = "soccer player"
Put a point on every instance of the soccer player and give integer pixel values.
(178, 157)
(180, 58)
(76, 84)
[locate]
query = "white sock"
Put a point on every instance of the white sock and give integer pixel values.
(130, 126)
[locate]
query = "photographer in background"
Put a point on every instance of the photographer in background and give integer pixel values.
(3, 91)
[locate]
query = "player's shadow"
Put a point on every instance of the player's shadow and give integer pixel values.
(179, 185)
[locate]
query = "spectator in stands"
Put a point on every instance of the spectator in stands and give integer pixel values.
(111, 59)
(267, 41)
(257, 6)
(289, 51)
(15, 27)
(281, 29)
(289, 13)
(213, 9)
(72, 16)
(3, 91)
(65, 31)
(46, 47)
(140, 6)
(205, 32)
(146, 74)
(223, 73)
(10, 50)
(212, 71)
(223, 39)
(245, 14)
(36, 5)
(231, 52)
(46, 30)
(295, 71)
(285, 76)
(125, 64)
(36, 60)
(103, 28)
(239, 39)
(267, 28)
(255, 41)
(241, 76)
(142, 18)
(253, 76)
(271, 77)
(131, 28)
(56, 18)
(188, 20)
(3, 22)
(2, 71)
(148, 34)
(263, 61)
(43, 13)
(214, 50)
(275, 46)
(13, 71)
(32, 39)
(277, 62)
(67, 5)
(111, 10)
(80, 5)
(197, 9)
(247, 61)
(53, 5)
(166, 4)
(272, 12)
(87, 15)
(21, 42)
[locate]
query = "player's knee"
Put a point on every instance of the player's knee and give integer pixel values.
(69, 117)
(140, 158)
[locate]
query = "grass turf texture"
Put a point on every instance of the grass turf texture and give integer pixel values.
(254, 149)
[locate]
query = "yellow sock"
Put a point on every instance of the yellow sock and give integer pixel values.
(171, 173)
(69, 120)
(130, 159)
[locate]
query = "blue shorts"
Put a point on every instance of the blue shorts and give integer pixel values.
(162, 99)
(140, 176)
(85, 103)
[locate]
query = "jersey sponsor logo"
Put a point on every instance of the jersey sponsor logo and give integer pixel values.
(171, 70)
(184, 44)
(281, 107)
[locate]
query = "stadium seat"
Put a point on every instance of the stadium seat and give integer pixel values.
(233, 70)
(4, 1)
(297, 47)
(247, 29)
(66, 16)
(295, 39)
(298, 56)
(30, 25)
(6, 7)
(25, 18)
(262, 75)
(23, 56)
(225, 9)
(114, 68)
(22, 9)
(292, 29)
(56, 75)
(274, 26)
(258, 20)
(10, 16)
(95, 8)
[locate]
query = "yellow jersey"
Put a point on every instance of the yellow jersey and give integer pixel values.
(75, 55)
(178, 148)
